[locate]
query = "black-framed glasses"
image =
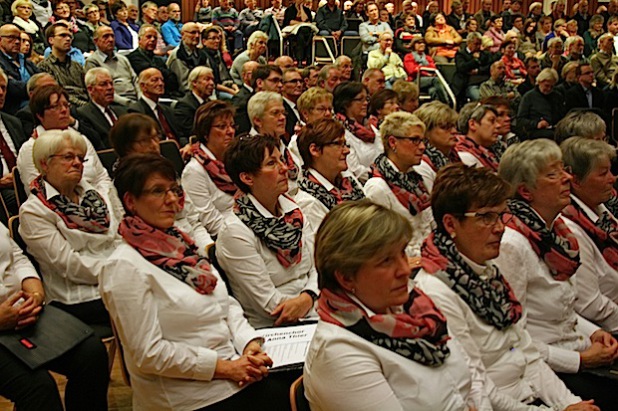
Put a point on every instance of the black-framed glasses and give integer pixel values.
(161, 192)
(360, 99)
(11, 37)
(414, 140)
(294, 80)
(490, 218)
(337, 143)
(69, 158)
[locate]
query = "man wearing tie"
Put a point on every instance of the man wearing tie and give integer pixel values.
(101, 113)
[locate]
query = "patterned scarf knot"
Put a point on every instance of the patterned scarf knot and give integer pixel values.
(215, 169)
(347, 189)
(366, 134)
(484, 155)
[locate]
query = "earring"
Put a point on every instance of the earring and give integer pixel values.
(453, 235)
(394, 149)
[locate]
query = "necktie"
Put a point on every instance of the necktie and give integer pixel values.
(7, 154)
(111, 115)
(589, 97)
(169, 134)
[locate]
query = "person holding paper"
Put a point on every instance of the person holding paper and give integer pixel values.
(21, 303)
(187, 344)
(266, 246)
(381, 343)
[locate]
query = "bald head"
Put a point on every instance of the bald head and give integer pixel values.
(9, 34)
(247, 71)
(284, 62)
(190, 33)
(151, 83)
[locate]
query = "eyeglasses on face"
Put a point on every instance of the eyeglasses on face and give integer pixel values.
(414, 140)
(338, 143)
(161, 192)
(69, 158)
(490, 218)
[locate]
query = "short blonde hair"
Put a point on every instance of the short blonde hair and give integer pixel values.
(522, 163)
(255, 36)
(352, 234)
(49, 142)
(18, 3)
(436, 114)
(406, 90)
(256, 106)
(396, 124)
(311, 97)
(547, 74)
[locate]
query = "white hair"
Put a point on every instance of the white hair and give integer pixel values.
(50, 142)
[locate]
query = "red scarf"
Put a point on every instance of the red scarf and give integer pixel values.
(484, 155)
(366, 134)
(215, 169)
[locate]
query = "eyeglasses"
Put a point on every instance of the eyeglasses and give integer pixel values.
(361, 99)
(277, 113)
(59, 106)
(295, 80)
(321, 109)
(338, 143)
(490, 218)
(69, 158)
(414, 140)
(24, 7)
(225, 126)
(12, 38)
(557, 174)
(161, 192)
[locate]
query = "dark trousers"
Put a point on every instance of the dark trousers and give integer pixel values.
(592, 387)
(301, 43)
(92, 313)
(85, 367)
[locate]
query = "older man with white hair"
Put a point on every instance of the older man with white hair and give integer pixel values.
(201, 89)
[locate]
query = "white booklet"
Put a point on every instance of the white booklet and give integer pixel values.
(287, 346)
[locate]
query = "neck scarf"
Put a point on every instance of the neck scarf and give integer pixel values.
(366, 134)
(215, 169)
(485, 156)
(612, 203)
(90, 216)
(492, 300)
(557, 247)
(436, 159)
(420, 58)
(604, 233)
(282, 235)
(28, 26)
(407, 187)
(346, 189)
(71, 20)
(289, 162)
(171, 250)
(418, 333)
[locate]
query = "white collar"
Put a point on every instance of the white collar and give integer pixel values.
(485, 271)
(51, 191)
(593, 215)
(321, 179)
(151, 103)
(290, 102)
(285, 203)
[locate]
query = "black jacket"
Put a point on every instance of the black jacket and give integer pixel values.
(185, 113)
(240, 101)
(95, 120)
(16, 93)
(575, 97)
(16, 133)
(140, 106)
(141, 60)
(290, 119)
(466, 62)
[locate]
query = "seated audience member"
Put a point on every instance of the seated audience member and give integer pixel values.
(539, 256)
(458, 18)
(584, 94)
(125, 79)
(472, 68)
(277, 10)
(344, 64)
(407, 95)
(371, 29)
(241, 98)
(482, 310)
(249, 18)
(582, 16)
(69, 74)
(186, 56)
(171, 29)
(351, 101)
(201, 90)
(169, 302)
(373, 79)
(591, 36)
(284, 63)
(144, 57)
(291, 91)
(381, 104)
(541, 108)
(477, 123)
(356, 11)
(92, 17)
(442, 39)
(604, 62)
(16, 67)
(574, 50)
(331, 21)
(553, 58)
(484, 14)
(393, 182)
(212, 48)
(383, 58)
(325, 182)
(204, 178)
(581, 123)
(226, 16)
(415, 63)
(50, 108)
(266, 77)
(256, 48)
(527, 39)
(533, 68)
(152, 86)
(495, 33)
(266, 246)
(498, 86)
(298, 13)
(25, 21)
(203, 12)
(329, 78)
(506, 137)
(368, 295)
(515, 69)
(125, 31)
(405, 34)
(569, 78)
(310, 76)
(593, 225)
(69, 226)
(101, 113)
(36, 389)
(64, 11)
(440, 138)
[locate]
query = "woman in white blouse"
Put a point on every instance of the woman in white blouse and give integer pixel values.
(469, 205)
(381, 344)
(265, 246)
(595, 228)
(204, 178)
(393, 181)
(69, 227)
(351, 101)
(539, 256)
(325, 181)
(187, 345)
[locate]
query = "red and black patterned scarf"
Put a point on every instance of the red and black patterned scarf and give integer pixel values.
(359, 130)
(487, 158)
(557, 247)
(418, 333)
(171, 250)
(436, 159)
(283, 235)
(90, 216)
(346, 189)
(492, 300)
(215, 169)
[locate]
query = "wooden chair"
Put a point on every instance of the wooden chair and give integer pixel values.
(171, 151)
(20, 192)
(298, 401)
(108, 157)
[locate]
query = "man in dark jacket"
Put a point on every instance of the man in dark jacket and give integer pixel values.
(472, 68)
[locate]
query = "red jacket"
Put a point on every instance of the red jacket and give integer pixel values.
(412, 67)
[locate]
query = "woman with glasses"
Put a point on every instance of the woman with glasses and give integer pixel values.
(477, 146)
(469, 206)
(70, 227)
(326, 181)
(82, 37)
(351, 101)
(22, 12)
(540, 257)
(265, 245)
(93, 17)
(187, 345)
(441, 136)
(394, 184)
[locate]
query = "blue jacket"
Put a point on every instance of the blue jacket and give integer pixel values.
(124, 40)
(170, 31)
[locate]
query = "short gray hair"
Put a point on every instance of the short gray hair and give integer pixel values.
(257, 104)
(473, 36)
(149, 4)
(255, 36)
(87, 8)
(522, 163)
(583, 154)
(196, 73)
(49, 142)
(571, 40)
(436, 114)
(547, 74)
(31, 85)
(580, 123)
(553, 41)
(143, 28)
(603, 37)
(472, 111)
(396, 124)
(91, 75)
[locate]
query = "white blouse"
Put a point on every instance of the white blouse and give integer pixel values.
(14, 266)
(428, 174)
(470, 159)
(362, 155)
(172, 336)
(258, 280)
(70, 260)
(549, 305)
